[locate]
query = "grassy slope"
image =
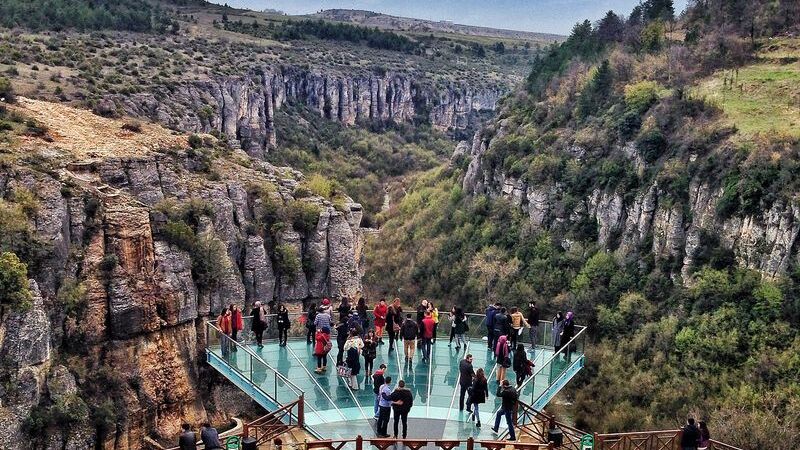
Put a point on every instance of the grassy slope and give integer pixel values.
(763, 97)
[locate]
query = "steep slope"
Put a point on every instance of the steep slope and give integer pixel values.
(132, 238)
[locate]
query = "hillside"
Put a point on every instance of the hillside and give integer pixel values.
(385, 21)
(647, 180)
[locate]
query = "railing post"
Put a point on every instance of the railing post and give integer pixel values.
(598, 445)
(246, 431)
(301, 410)
(359, 442)
(550, 445)
(470, 443)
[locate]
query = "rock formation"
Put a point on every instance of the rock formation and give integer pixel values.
(243, 107)
(626, 221)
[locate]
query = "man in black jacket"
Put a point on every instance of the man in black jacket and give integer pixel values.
(691, 435)
(342, 332)
(533, 321)
(501, 324)
(409, 331)
(402, 401)
(466, 374)
(507, 408)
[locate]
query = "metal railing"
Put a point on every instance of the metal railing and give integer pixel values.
(252, 368)
(277, 422)
(360, 443)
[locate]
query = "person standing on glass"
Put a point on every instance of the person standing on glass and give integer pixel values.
(237, 323)
(558, 327)
(568, 332)
(491, 311)
(224, 325)
(465, 375)
(385, 407)
(479, 393)
(311, 314)
(283, 324)
(380, 319)
(533, 321)
(428, 328)
(459, 328)
(508, 406)
(258, 323)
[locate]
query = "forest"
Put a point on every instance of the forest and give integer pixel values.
(83, 15)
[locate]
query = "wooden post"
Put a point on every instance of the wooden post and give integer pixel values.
(246, 431)
(551, 421)
(470, 443)
(301, 411)
(359, 442)
(597, 444)
(550, 445)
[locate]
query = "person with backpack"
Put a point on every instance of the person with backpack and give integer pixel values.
(409, 331)
(501, 324)
(370, 352)
(322, 346)
(522, 365)
(258, 323)
(323, 318)
(478, 394)
(311, 314)
(502, 355)
(508, 406)
(518, 322)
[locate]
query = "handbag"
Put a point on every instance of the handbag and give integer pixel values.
(396, 328)
(344, 371)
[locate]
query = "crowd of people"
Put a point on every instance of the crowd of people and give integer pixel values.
(360, 332)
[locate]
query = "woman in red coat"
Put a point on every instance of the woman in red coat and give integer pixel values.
(380, 319)
(322, 345)
(237, 322)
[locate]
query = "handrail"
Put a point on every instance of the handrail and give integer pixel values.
(552, 357)
(250, 352)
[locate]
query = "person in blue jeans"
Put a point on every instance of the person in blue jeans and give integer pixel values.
(385, 408)
(377, 383)
(509, 404)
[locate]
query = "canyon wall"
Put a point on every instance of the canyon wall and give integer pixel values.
(136, 330)
(244, 107)
(646, 220)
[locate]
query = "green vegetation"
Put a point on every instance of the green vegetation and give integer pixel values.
(130, 15)
(758, 98)
(14, 290)
(339, 159)
(303, 29)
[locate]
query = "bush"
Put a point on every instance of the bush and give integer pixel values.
(6, 90)
(180, 234)
(321, 186)
(14, 288)
(195, 141)
(210, 261)
(652, 144)
(108, 264)
(304, 216)
(132, 126)
(287, 263)
(72, 295)
(640, 96)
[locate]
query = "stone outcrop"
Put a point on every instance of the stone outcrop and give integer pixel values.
(243, 108)
(647, 220)
(142, 308)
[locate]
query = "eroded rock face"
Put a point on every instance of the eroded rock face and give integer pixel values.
(628, 222)
(143, 312)
(243, 108)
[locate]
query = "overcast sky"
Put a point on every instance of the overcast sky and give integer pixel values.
(547, 16)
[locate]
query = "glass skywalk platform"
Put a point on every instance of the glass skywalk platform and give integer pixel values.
(276, 375)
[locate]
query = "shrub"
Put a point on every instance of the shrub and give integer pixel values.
(180, 234)
(640, 96)
(72, 295)
(27, 201)
(287, 264)
(319, 185)
(195, 141)
(14, 288)
(108, 264)
(304, 216)
(6, 90)
(132, 126)
(210, 261)
(652, 144)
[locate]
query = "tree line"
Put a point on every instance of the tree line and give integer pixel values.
(82, 15)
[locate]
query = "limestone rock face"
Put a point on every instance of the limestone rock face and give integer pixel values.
(142, 316)
(243, 107)
(647, 219)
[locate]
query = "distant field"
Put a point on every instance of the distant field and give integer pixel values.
(763, 97)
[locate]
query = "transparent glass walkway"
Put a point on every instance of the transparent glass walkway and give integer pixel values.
(276, 375)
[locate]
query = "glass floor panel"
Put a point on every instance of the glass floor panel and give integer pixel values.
(334, 410)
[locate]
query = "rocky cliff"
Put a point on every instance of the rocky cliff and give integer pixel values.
(243, 107)
(119, 302)
(646, 220)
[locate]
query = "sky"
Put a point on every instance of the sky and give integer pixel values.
(545, 16)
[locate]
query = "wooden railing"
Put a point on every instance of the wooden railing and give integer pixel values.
(717, 445)
(361, 443)
(537, 424)
(646, 440)
(283, 419)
